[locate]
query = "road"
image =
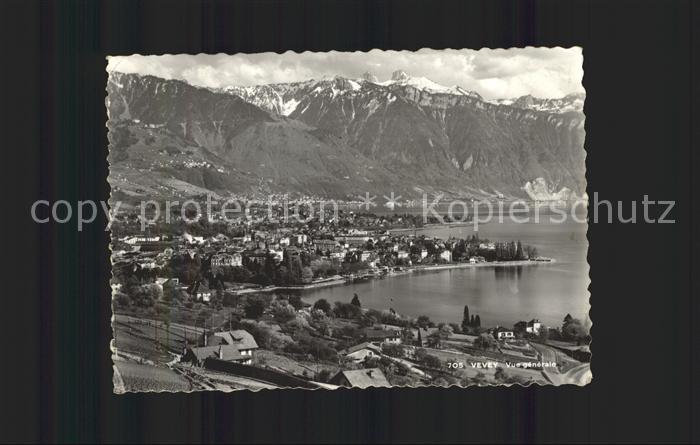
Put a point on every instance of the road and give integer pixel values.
(208, 380)
(548, 354)
(580, 375)
(119, 387)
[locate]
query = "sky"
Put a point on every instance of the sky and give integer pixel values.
(493, 73)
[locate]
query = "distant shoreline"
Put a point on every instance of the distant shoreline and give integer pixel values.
(409, 270)
(434, 226)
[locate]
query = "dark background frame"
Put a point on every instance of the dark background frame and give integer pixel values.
(641, 78)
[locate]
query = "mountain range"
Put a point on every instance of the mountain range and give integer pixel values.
(340, 138)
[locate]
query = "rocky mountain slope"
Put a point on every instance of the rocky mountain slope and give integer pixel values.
(567, 104)
(339, 137)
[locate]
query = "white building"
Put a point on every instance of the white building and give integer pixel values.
(277, 254)
(533, 327)
(225, 259)
(505, 335)
(359, 353)
(141, 239)
(446, 255)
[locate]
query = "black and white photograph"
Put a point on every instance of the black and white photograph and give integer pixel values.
(352, 222)
(362, 219)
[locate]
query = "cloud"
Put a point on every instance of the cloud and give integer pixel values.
(493, 73)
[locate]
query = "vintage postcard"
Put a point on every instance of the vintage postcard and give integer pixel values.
(367, 219)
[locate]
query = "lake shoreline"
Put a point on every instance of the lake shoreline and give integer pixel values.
(340, 281)
(433, 226)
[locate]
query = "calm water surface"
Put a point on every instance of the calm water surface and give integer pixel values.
(500, 295)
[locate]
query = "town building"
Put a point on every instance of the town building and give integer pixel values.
(163, 282)
(200, 291)
(277, 255)
(421, 335)
(446, 255)
(227, 260)
(241, 339)
(530, 327)
(257, 256)
(197, 355)
(503, 334)
(325, 245)
(388, 336)
(365, 255)
(533, 326)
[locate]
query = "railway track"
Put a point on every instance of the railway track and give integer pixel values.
(196, 380)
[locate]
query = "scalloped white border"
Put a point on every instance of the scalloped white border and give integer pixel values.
(118, 389)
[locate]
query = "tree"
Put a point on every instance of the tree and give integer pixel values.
(295, 301)
(477, 321)
(307, 275)
(466, 320)
(121, 299)
(574, 330)
(500, 374)
(218, 299)
(441, 381)
(531, 252)
(314, 347)
(424, 322)
(323, 305)
(356, 301)
(435, 339)
(428, 360)
(485, 341)
(282, 311)
(479, 379)
(254, 308)
(324, 375)
(263, 336)
(346, 310)
(394, 350)
(237, 274)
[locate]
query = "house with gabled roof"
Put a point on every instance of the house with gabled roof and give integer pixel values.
(197, 355)
(383, 335)
(200, 291)
(361, 378)
(359, 353)
(239, 338)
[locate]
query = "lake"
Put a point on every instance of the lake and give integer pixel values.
(501, 295)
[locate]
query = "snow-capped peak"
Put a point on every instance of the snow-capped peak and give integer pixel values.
(369, 77)
(568, 103)
(425, 84)
(400, 76)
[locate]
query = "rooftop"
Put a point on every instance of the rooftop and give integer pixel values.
(365, 378)
(238, 338)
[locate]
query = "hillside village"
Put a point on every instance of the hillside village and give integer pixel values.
(221, 307)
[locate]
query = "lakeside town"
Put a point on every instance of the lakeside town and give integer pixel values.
(208, 304)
